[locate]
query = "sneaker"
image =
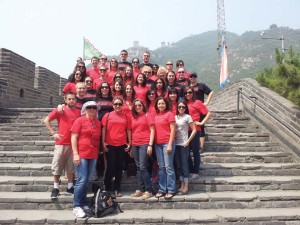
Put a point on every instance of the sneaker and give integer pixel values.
(137, 193)
(146, 195)
(55, 193)
(78, 212)
(88, 211)
(70, 191)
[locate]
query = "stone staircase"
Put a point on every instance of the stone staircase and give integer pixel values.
(246, 178)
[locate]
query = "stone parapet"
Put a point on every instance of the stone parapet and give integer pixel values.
(283, 109)
(24, 85)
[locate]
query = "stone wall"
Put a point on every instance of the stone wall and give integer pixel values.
(285, 110)
(22, 85)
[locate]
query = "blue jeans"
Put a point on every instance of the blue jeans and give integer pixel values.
(195, 147)
(84, 173)
(182, 162)
(166, 168)
(141, 160)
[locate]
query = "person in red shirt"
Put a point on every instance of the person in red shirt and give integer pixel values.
(154, 72)
(128, 96)
(160, 88)
(71, 86)
(173, 97)
(128, 75)
(85, 139)
(116, 140)
(151, 96)
(135, 66)
(94, 72)
(141, 87)
(113, 69)
(90, 94)
(142, 144)
(165, 125)
(196, 109)
(118, 89)
(180, 76)
(79, 66)
(103, 77)
(180, 64)
(169, 66)
(63, 158)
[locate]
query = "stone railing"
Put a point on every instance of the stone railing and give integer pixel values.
(264, 101)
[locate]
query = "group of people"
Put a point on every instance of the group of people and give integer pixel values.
(154, 114)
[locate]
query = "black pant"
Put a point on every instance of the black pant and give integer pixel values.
(115, 158)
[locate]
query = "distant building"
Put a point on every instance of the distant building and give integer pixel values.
(163, 44)
(136, 44)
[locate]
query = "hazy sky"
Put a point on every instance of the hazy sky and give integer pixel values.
(50, 32)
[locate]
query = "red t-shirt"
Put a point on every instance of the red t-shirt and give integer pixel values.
(136, 72)
(153, 77)
(140, 92)
(162, 127)
(97, 82)
(116, 125)
(94, 73)
(151, 109)
(197, 108)
(110, 76)
(65, 122)
(69, 87)
(174, 107)
(88, 140)
(140, 129)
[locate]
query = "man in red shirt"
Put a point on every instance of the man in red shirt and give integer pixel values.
(94, 72)
(123, 62)
(63, 156)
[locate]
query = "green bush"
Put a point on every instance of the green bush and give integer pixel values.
(284, 76)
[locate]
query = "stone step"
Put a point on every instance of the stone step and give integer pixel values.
(242, 146)
(231, 128)
(279, 216)
(31, 164)
(246, 157)
(204, 184)
(26, 145)
(229, 120)
(240, 137)
(193, 200)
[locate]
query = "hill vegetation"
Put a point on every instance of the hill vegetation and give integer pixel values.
(248, 54)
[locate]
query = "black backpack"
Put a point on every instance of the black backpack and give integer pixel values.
(105, 204)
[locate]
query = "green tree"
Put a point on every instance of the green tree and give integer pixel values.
(284, 77)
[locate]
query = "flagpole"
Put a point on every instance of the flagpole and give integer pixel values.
(83, 56)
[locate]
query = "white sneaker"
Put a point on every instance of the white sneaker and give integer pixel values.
(78, 212)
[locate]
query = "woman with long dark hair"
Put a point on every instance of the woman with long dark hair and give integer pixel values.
(164, 122)
(116, 140)
(142, 146)
(196, 109)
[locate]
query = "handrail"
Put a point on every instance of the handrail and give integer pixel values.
(275, 116)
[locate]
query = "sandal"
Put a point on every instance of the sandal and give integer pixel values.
(160, 194)
(182, 192)
(169, 195)
(118, 194)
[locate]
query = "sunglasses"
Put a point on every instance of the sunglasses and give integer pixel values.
(180, 71)
(135, 62)
(193, 77)
(138, 105)
(91, 107)
(88, 81)
(118, 104)
(181, 107)
(104, 87)
(80, 67)
(146, 55)
(188, 93)
(147, 72)
(169, 64)
(102, 70)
